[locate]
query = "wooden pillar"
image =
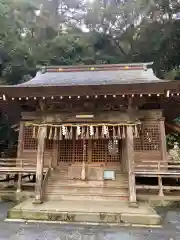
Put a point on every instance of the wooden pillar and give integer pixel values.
(130, 164)
(161, 193)
(19, 151)
(40, 164)
(163, 141)
(164, 156)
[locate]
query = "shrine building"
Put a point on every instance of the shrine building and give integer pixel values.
(99, 125)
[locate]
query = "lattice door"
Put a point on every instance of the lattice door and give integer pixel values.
(29, 143)
(100, 152)
(149, 139)
(72, 151)
(80, 148)
(116, 157)
(65, 150)
(95, 151)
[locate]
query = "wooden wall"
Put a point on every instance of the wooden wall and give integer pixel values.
(147, 147)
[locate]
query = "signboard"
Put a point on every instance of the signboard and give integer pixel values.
(109, 175)
(84, 116)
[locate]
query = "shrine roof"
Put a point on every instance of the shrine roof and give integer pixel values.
(85, 80)
(92, 75)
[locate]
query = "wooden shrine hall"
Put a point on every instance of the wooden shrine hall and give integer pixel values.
(100, 125)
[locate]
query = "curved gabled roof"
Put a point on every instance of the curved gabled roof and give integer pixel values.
(115, 79)
(92, 78)
(94, 75)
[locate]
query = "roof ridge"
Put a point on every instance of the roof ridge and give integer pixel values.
(101, 67)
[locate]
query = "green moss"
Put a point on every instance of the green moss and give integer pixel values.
(14, 214)
(8, 198)
(55, 216)
(102, 217)
(70, 217)
(117, 218)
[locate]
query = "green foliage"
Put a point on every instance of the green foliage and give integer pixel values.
(116, 31)
(172, 138)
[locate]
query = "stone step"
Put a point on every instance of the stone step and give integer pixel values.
(87, 185)
(89, 212)
(80, 197)
(57, 171)
(87, 190)
(61, 176)
(65, 180)
(80, 183)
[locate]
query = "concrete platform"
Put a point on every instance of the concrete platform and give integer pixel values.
(86, 212)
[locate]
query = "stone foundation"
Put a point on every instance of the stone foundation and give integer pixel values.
(86, 212)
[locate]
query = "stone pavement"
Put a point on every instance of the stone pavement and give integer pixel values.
(37, 231)
(86, 212)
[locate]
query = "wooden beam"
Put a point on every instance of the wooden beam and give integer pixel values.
(117, 89)
(40, 164)
(130, 161)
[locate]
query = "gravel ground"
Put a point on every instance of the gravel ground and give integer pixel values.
(37, 231)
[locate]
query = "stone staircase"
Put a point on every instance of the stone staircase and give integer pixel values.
(59, 187)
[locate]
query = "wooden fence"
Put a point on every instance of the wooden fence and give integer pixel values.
(17, 165)
(159, 170)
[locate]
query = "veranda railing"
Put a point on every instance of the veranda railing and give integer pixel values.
(160, 170)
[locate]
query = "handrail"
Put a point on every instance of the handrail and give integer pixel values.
(44, 182)
(16, 162)
(18, 165)
(159, 169)
(149, 165)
